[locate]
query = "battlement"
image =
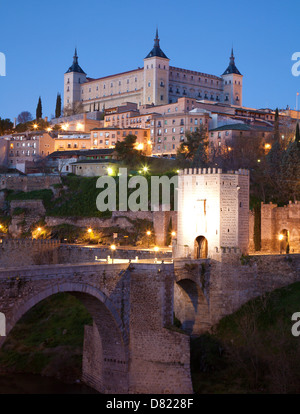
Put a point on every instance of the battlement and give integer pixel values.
(21, 243)
(229, 250)
(210, 171)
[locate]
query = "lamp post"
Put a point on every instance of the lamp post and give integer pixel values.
(148, 234)
(113, 248)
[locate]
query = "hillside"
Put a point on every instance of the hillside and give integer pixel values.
(252, 350)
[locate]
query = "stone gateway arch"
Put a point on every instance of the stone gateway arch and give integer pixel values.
(129, 348)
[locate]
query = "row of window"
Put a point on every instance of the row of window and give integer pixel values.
(192, 78)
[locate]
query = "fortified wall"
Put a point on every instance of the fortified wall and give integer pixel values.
(278, 222)
(27, 252)
(28, 183)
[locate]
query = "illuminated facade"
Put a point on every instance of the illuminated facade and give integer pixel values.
(213, 213)
(156, 83)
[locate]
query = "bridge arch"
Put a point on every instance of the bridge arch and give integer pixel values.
(108, 338)
(191, 306)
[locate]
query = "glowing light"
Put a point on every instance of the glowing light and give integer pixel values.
(140, 147)
(65, 127)
(156, 249)
(178, 171)
(90, 231)
(258, 161)
(149, 143)
(268, 146)
(145, 169)
(39, 229)
(281, 237)
(79, 126)
(1, 226)
(140, 172)
(173, 233)
(148, 233)
(110, 171)
(229, 149)
(49, 129)
(35, 126)
(113, 247)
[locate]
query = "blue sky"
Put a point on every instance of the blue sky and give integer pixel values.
(38, 39)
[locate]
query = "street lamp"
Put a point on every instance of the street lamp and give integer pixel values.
(113, 249)
(148, 234)
(173, 233)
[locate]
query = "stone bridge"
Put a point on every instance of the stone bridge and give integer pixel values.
(132, 346)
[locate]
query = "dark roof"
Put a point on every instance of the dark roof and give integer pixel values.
(75, 66)
(232, 68)
(156, 51)
(84, 153)
(241, 127)
(95, 162)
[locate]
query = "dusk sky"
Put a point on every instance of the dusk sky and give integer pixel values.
(39, 37)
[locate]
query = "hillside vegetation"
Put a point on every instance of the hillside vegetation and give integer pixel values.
(252, 350)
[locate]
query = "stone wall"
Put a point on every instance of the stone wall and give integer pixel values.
(26, 252)
(29, 183)
(34, 210)
(274, 220)
(206, 291)
(81, 254)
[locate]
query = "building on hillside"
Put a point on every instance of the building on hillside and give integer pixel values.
(213, 213)
(72, 141)
(95, 168)
(61, 161)
(156, 83)
(29, 147)
(80, 123)
(227, 135)
(108, 137)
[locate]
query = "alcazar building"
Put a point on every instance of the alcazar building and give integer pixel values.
(156, 83)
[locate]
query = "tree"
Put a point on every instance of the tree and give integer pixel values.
(126, 151)
(39, 111)
(5, 126)
(73, 109)
(58, 106)
(291, 169)
(24, 117)
(195, 148)
(297, 136)
(276, 126)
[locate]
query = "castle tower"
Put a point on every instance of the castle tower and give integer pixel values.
(233, 83)
(213, 212)
(73, 79)
(156, 76)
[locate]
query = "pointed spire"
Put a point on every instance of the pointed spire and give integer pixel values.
(75, 66)
(232, 68)
(156, 40)
(75, 57)
(156, 51)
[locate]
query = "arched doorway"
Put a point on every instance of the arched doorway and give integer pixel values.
(284, 241)
(201, 248)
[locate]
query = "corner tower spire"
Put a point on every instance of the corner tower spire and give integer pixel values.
(75, 66)
(232, 68)
(156, 51)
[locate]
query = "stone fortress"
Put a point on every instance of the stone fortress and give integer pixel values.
(156, 83)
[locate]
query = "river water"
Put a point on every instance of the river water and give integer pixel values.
(36, 384)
